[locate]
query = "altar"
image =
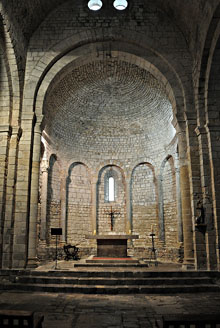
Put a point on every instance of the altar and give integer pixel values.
(112, 245)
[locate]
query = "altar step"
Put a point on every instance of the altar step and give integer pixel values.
(111, 262)
(109, 282)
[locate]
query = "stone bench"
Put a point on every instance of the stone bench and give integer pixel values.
(19, 319)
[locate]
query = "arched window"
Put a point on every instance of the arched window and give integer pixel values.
(111, 189)
(110, 185)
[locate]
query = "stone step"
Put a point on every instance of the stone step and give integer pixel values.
(112, 281)
(110, 264)
(112, 261)
(100, 289)
(113, 273)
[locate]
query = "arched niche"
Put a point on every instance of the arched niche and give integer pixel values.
(144, 202)
(106, 225)
(78, 205)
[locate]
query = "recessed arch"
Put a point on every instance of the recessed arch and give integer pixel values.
(78, 205)
(105, 222)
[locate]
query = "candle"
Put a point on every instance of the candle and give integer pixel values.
(152, 228)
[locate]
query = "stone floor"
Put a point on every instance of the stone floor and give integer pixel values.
(108, 311)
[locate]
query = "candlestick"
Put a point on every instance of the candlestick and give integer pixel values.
(152, 228)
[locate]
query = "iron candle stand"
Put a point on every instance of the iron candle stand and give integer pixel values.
(153, 255)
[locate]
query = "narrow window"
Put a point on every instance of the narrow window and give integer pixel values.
(111, 189)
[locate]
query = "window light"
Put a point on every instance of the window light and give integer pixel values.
(95, 5)
(120, 4)
(111, 190)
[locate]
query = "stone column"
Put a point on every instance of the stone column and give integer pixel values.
(63, 206)
(44, 184)
(213, 210)
(22, 198)
(187, 216)
(160, 208)
(32, 240)
(129, 227)
(8, 231)
(4, 144)
(94, 206)
(179, 202)
(185, 195)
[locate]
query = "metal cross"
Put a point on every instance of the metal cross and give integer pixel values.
(112, 214)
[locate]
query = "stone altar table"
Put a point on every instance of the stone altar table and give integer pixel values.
(112, 245)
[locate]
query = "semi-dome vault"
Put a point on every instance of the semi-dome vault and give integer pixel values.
(109, 106)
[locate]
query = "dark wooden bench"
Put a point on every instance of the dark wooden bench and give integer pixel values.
(19, 319)
(191, 321)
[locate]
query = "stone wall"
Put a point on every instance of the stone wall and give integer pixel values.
(78, 203)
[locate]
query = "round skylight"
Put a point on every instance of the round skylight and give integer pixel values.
(95, 5)
(120, 4)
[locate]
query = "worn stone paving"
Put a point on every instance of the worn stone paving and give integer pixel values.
(108, 311)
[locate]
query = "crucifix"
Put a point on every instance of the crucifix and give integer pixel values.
(112, 214)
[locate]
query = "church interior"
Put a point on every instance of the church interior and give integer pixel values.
(110, 129)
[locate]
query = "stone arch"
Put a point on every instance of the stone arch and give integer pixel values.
(12, 88)
(202, 83)
(144, 57)
(107, 163)
(78, 205)
(104, 223)
(138, 57)
(160, 67)
(144, 203)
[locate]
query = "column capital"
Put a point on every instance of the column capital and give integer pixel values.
(7, 129)
(26, 116)
(200, 130)
(45, 165)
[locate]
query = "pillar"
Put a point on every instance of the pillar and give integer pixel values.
(179, 202)
(213, 215)
(161, 208)
(94, 205)
(63, 206)
(44, 185)
(8, 231)
(32, 237)
(185, 193)
(22, 197)
(128, 224)
(4, 144)
(187, 216)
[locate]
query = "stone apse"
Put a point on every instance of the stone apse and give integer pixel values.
(122, 99)
(109, 119)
